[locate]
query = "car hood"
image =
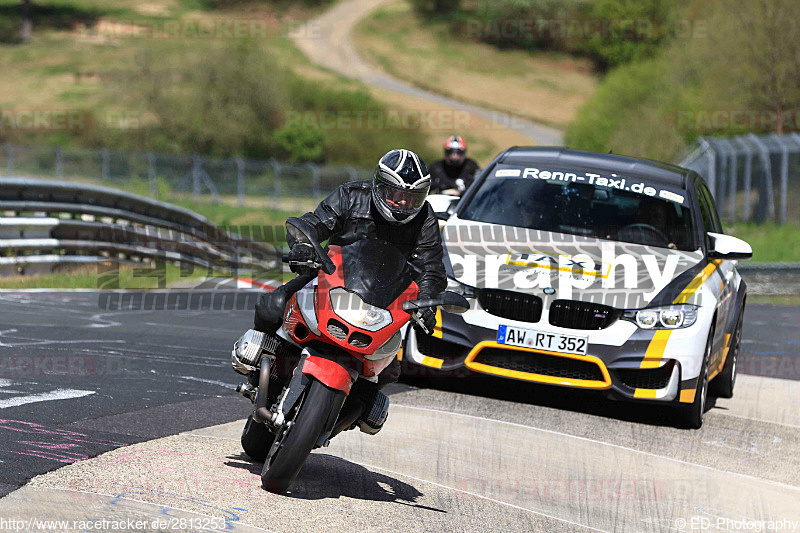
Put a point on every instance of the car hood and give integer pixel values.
(562, 266)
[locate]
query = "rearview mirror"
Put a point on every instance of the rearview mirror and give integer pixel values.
(450, 302)
(453, 302)
(301, 230)
(728, 247)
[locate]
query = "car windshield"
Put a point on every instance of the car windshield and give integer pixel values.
(578, 202)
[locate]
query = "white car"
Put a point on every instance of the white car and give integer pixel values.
(591, 271)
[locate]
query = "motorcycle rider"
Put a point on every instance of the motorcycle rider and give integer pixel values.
(390, 207)
(456, 172)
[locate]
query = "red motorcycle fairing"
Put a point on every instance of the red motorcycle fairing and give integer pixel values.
(297, 328)
(328, 372)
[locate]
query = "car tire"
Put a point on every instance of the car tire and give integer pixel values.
(722, 385)
(691, 415)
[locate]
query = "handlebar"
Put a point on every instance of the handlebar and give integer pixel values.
(305, 232)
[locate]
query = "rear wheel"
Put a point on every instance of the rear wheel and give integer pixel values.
(722, 385)
(692, 415)
(256, 440)
(296, 440)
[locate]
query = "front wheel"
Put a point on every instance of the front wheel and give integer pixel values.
(295, 441)
(723, 384)
(692, 415)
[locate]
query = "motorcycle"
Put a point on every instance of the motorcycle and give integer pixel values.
(340, 330)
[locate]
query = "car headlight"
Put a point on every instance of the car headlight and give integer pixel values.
(668, 317)
(352, 309)
(459, 288)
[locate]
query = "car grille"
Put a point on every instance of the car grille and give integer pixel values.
(538, 363)
(510, 304)
(582, 315)
(653, 378)
(434, 347)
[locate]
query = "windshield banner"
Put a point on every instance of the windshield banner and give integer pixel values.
(612, 181)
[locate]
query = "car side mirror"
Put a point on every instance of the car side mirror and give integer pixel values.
(443, 205)
(728, 247)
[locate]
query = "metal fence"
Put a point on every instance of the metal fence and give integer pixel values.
(754, 178)
(201, 178)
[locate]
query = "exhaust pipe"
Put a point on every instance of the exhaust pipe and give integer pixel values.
(261, 413)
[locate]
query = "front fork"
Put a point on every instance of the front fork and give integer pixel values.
(312, 365)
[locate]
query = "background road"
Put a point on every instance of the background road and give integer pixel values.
(328, 43)
(459, 454)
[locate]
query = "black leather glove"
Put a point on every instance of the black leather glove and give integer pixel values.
(427, 317)
(301, 251)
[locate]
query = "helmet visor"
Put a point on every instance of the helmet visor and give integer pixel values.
(406, 201)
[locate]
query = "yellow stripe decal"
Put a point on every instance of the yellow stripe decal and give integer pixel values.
(400, 354)
(696, 283)
(655, 350)
(432, 361)
(645, 393)
(687, 395)
(437, 329)
(723, 357)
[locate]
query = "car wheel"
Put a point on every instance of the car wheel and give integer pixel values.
(726, 379)
(692, 415)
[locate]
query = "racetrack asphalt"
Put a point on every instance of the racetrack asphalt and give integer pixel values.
(153, 388)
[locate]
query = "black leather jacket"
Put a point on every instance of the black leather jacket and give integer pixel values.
(347, 215)
(444, 176)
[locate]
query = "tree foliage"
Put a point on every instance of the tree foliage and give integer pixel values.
(739, 75)
(238, 100)
(439, 7)
(635, 29)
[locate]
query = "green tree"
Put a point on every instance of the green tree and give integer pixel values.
(752, 57)
(634, 29)
(219, 102)
(440, 7)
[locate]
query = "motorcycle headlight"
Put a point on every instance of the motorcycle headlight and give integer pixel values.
(352, 309)
(459, 288)
(667, 317)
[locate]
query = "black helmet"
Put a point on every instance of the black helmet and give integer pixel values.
(400, 185)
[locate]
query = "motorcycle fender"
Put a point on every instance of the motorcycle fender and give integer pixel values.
(328, 372)
(297, 384)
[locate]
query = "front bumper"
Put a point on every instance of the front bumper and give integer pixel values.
(622, 360)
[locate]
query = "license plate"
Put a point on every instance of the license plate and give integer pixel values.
(531, 338)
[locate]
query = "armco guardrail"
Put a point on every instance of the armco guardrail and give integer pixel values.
(49, 224)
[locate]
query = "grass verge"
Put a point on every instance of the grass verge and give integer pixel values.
(772, 243)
